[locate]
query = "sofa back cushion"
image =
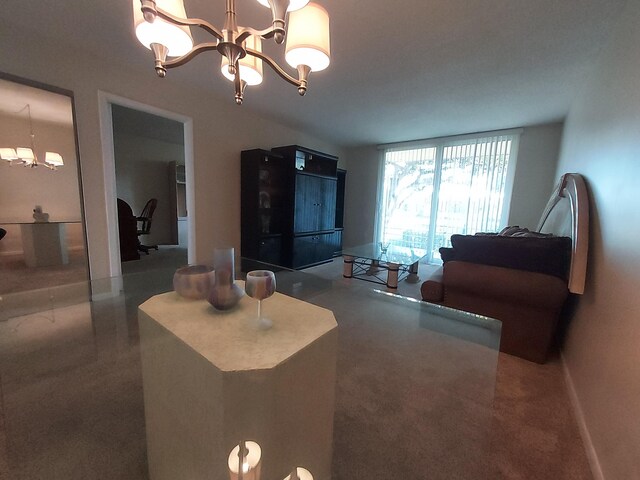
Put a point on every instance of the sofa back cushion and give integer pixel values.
(550, 255)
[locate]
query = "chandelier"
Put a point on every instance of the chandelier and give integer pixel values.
(163, 27)
(27, 155)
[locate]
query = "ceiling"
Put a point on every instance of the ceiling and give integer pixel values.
(400, 70)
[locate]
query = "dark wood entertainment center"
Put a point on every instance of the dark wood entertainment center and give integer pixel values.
(292, 205)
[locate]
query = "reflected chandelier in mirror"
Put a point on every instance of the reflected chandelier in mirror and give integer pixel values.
(27, 156)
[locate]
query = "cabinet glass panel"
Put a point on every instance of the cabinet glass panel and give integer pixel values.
(270, 196)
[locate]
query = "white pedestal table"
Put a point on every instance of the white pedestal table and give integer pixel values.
(212, 379)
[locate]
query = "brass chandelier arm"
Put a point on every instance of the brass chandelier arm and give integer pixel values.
(276, 68)
(185, 22)
(246, 32)
(177, 62)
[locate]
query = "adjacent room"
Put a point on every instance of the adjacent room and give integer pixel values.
(319, 240)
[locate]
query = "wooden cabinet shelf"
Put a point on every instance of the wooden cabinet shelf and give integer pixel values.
(263, 200)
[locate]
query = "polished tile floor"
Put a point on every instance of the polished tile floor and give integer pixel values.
(72, 405)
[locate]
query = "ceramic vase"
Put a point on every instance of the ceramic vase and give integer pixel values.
(225, 294)
(194, 281)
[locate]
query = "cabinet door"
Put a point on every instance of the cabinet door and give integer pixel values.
(325, 246)
(304, 250)
(270, 251)
(327, 207)
(312, 249)
(315, 204)
(308, 199)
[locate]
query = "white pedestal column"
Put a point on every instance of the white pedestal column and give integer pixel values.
(212, 379)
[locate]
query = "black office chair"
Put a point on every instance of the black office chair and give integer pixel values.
(128, 231)
(145, 224)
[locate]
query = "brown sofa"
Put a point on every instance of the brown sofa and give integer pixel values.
(519, 277)
(528, 303)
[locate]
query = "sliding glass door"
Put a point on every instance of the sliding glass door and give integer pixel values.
(431, 191)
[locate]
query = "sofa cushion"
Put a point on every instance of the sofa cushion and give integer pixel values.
(550, 255)
(516, 231)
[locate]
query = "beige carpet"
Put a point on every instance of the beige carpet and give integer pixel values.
(528, 432)
(72, 407)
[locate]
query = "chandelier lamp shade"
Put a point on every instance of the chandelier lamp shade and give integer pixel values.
(163, 27)
(27, 155)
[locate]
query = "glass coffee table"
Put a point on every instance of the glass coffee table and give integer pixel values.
(414, 383)
(369, 262)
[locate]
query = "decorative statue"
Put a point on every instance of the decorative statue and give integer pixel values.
(39, 215)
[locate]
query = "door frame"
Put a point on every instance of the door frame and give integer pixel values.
(105, 100)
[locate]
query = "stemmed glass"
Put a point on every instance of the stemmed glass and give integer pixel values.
(261, 284)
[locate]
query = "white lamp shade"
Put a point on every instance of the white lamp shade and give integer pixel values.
(8, 154)
(303, 474)
(293, 4)
(308, 38)
(53, 158)
(251, 463)
(176, 38)
(26, 155)
(250, 66)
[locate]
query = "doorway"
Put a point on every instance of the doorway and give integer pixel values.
(151, 181)
(148, 155)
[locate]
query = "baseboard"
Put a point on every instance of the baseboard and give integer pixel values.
(592, 455)
(11, 253)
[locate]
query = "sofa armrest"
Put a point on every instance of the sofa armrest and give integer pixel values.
(432, 289)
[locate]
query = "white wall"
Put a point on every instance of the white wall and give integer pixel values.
(142, 172)
(535, 174)
(602, 348)
(533, 182)
(221, 130)
(361, 195)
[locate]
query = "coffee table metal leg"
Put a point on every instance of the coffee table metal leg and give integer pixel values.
(413, 274)
(347, 269)
(392, 275)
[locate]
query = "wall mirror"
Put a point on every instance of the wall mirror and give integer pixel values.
(43, 242)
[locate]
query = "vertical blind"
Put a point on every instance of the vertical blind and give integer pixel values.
(431, 191)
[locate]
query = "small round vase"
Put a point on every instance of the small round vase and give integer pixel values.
(225, 294)
(225, 297)
(194, 281)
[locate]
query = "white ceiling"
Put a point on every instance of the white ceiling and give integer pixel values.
(400, 70)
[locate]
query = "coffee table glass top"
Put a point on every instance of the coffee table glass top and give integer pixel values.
(393, 253)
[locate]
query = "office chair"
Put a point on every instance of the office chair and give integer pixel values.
(145, 224)
(128, 231)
